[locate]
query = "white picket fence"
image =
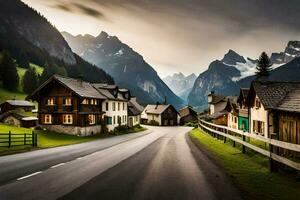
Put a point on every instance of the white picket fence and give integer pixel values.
(223, 131)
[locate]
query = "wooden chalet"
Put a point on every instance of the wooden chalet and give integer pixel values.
(275, 109)
(69, 106)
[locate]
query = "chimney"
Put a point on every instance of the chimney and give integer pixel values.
(165, 101)
(157, 103)
(80, 79)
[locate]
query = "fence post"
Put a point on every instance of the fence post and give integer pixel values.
(36, 139)
(243, 146)
(32, 138)
(9, 139)
(24, 138)
(225, 137)
(273, 164)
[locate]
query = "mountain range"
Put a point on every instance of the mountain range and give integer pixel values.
(126, 66)
(228, 75)
(27, 35)
(180, 84)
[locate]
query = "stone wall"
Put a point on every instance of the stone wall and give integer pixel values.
(73, 130)
(12, 121)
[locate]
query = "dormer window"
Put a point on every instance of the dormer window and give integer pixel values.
(85, 102)
(51, 102)
(67, 101)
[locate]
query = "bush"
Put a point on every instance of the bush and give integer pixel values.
(192, 124)
(121, 129)
(153, 123)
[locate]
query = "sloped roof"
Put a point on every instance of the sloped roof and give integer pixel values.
(81, 88)
(218, 98)
(187, 110)
(132, 110)
(134, 102)
(283, 96)
(109, 90)
(19, 103)
(156, 109)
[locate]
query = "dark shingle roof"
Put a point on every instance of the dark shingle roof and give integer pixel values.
(278, 95)
(82, 88)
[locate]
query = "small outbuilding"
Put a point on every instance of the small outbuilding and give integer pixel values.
(188, 114)
(23, 105)
(17, 119)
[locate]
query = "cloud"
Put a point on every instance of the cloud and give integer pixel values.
(89, 11)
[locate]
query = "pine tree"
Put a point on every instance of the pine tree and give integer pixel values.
(30, 80)
(50, 68)
(10, 77)
(263, 66)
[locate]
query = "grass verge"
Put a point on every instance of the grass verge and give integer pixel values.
(249, 171)
(47, 139)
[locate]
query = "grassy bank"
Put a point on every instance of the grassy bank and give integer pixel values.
(48, 139)
(249, 171)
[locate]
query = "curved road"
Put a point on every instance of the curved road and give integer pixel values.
(163, 164)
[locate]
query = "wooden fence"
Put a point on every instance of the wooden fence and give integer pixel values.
(240, 137)
(11, 140)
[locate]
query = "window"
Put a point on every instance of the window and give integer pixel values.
(67, 119)
(235, 120)
(124, 106)
(118, 106)
(109, 120)
(106, 106)
(67, 101)
(257, 103)
(50, 101)
(93, 101)
(48, 119)
(114, 106)
(85, 101)
(114, 120)
(92, 119)
(258, 127)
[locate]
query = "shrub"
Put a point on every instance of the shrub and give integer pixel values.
(153, 123)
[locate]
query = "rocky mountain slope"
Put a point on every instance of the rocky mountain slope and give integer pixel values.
(234, 71)
(180, 84)
(29, 37)
(128, 68)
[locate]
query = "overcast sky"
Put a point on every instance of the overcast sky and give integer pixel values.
(181, 35)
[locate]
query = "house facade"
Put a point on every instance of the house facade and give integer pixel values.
(164, 115)
(232, 116)
(115, 105)
(243, 112)
(216, 103)
(134, 112)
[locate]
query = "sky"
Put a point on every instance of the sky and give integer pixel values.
(181, 35)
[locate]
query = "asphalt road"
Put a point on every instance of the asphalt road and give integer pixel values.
(163, 164)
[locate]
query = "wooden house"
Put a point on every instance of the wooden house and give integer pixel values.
(243, 113)
(275, 110)
(188, 114)
(69, 106)
(163, 115)
(20, 105)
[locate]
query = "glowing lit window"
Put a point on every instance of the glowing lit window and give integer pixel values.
(67, 101)
(48, 119)
(50, 101)
(67, 119)
(92, 119)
